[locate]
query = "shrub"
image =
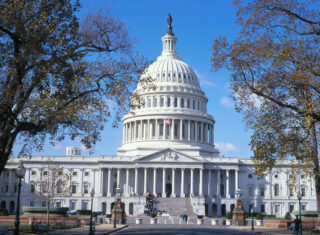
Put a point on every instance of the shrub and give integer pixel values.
(259, 216)
(84, 212)
(200, 216)
(153, 214)
(287, 216)
(229, 215)
(108, 216)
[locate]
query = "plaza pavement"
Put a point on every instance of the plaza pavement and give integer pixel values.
(178, 229)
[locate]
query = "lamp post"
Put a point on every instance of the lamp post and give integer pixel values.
(300, 221)
(91, 231)
(252, 223)
(20, 173)
(118, 197)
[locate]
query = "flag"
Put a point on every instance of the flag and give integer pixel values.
(167, 121)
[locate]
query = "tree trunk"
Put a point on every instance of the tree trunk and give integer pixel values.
(6, 143)
(316, 170)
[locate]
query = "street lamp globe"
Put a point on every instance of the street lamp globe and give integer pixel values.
(92, 192)
(21, 170)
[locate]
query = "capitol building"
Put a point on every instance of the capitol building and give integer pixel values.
(168, 148)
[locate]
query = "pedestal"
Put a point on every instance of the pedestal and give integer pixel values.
(118, 213)
(238, 218)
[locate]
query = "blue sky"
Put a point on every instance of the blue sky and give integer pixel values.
(196, 24)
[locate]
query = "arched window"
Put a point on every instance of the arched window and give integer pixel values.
(276, 190)
(182, 103)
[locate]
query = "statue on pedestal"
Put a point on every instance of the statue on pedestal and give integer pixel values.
(118, 212)
(238, 216)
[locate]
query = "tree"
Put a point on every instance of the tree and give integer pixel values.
(61, 76)
(54, 181)
(275, 71)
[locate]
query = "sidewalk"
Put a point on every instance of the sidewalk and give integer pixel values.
(99, 230)
(266, 230)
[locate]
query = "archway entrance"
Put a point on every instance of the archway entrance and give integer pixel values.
(168, 189)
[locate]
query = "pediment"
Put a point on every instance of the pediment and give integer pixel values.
(167, 155)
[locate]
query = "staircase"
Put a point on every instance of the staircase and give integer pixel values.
(174, 206)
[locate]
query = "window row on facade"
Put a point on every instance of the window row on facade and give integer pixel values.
(172, 102)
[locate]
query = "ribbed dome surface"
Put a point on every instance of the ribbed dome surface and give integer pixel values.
(171, 70)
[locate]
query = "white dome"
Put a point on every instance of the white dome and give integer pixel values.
(172, 110)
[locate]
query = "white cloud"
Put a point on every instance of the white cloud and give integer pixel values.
(226, 148)
(204, 81)
(226, 102)
(58, 146)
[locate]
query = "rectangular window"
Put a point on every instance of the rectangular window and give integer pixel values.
(250, 191)
(86, 189)
(168, 102)
(32, 188)
(45, 173)
(175, 103)
(86, 173)
(250, 176)
(33, 172)
(194, 104)
(161, 102)
(154, 101)
(85, 205)
(291, 191)
(262, 209)
(75, 173)
(188, 104)
(262, 191)
(303, 207)
(182, 103)
(74, 188)
(291, 208)
(149, 102)
(31, 203)
(73, 205)
(277, 209)
(303, 192)
(58, 204)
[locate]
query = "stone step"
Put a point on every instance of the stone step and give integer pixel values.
(174, 206)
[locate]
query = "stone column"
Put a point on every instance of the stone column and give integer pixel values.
(195, 130)
(149, 130)
(236, 172)
(189, 130)
(164, 182)
(141, 130)
(227, 184)
(155, 181)
(81, 184)
(156, 129)
(218, 185)
(172, 129)
(164, 129)
(181, 129)
(136, 181)
(212, 140)
(191, 182)
(118, 177)
(201, 132)
(109, 183)
(182, 183)
(200, 183)
(10, 182)
(209, 183)
(135, 130)
(127, 182)
(101, 182)
(173, 182)
(145, 181)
